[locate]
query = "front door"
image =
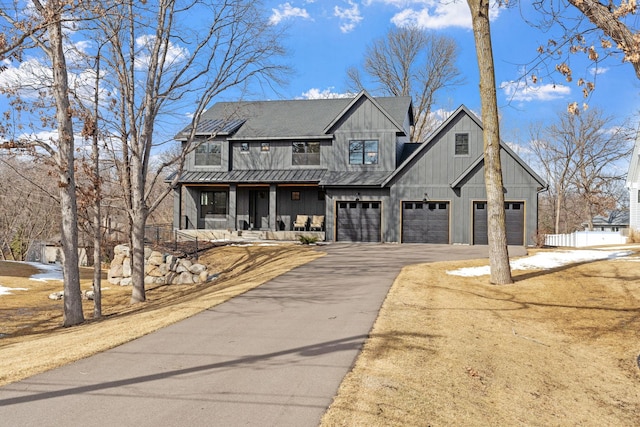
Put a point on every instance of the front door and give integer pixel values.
(259, 209)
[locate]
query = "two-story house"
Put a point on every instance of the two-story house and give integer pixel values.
(350, 161)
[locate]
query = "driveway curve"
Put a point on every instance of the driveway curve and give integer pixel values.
(273, 356)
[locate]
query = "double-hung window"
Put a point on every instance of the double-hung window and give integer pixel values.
(213, 203)
(209, 154)
(305, 154)
(363, 152)
(462, 144)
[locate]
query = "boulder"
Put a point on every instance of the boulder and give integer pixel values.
(185, 278)
(115, 271)
(197, 268)
(126, 281)
(204, 276)
(56, 295)
(147, 252)
(126, 267)
(117, 260)
(114, 280)
(122, 250)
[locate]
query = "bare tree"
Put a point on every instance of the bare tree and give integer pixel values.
(411, 62)
(599, 31)
(28, 204)
(44, 30)
(580, 154)
(497, 234)
(153, 44)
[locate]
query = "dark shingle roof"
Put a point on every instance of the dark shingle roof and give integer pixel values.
(289, 119)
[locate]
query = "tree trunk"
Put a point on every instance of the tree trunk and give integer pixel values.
(138, 223)
(65, 162)
(497, 235)
(558, 209)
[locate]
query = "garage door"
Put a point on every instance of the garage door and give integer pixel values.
(358, 222)
(425, 222)
(514, 217)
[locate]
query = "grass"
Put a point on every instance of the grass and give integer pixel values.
(557, 348)
(31, 321)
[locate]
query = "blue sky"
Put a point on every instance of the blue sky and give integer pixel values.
(328, 36)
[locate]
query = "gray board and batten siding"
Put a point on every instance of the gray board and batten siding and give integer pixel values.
(433, 173)
(412, 192)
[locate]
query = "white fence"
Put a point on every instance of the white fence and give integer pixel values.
(581, 239)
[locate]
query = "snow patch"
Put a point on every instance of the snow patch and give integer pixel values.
(545, 261)
(8, 291)
(47, 272)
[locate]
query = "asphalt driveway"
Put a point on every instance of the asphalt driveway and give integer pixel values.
(274, 356)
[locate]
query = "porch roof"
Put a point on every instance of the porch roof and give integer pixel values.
(254, 176)
(361, 178)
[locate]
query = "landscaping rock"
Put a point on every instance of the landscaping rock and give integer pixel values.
(197, 268)
(159, 269)
(56, 295)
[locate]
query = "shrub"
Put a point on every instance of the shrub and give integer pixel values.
(307, 240)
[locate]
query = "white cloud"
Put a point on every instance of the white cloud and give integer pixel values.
(286, 11)
(315, 93)
(29, 77)
(350, 16)
(526, 91)
(595, 71)
(435, 14)
(144, 43)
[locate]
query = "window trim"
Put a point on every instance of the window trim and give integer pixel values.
(363, 152)
(463, 144)
(216, 211)
(205, 152)
(305, 157)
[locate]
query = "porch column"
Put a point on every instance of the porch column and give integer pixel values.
(231, 215)
(272, 207)
(177, 207)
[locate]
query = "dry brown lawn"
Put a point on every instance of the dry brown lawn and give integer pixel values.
(33, 340)
(557, 348)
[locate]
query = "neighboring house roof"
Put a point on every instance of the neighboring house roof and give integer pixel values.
(442, 129)
(619, 219)
(633, 176)
(290, 119)
(255, 176)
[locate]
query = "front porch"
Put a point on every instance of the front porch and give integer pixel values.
(251, 235)
(257, 211)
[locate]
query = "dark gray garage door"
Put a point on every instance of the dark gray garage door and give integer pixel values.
(514, 217)
(358, 222)
(425, 222)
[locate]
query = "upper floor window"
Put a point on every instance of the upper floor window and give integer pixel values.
(462, 144)
(244, 147)
(363, 152)
(213, 203)
(209, 154)
(305, 153)
(265, 146)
